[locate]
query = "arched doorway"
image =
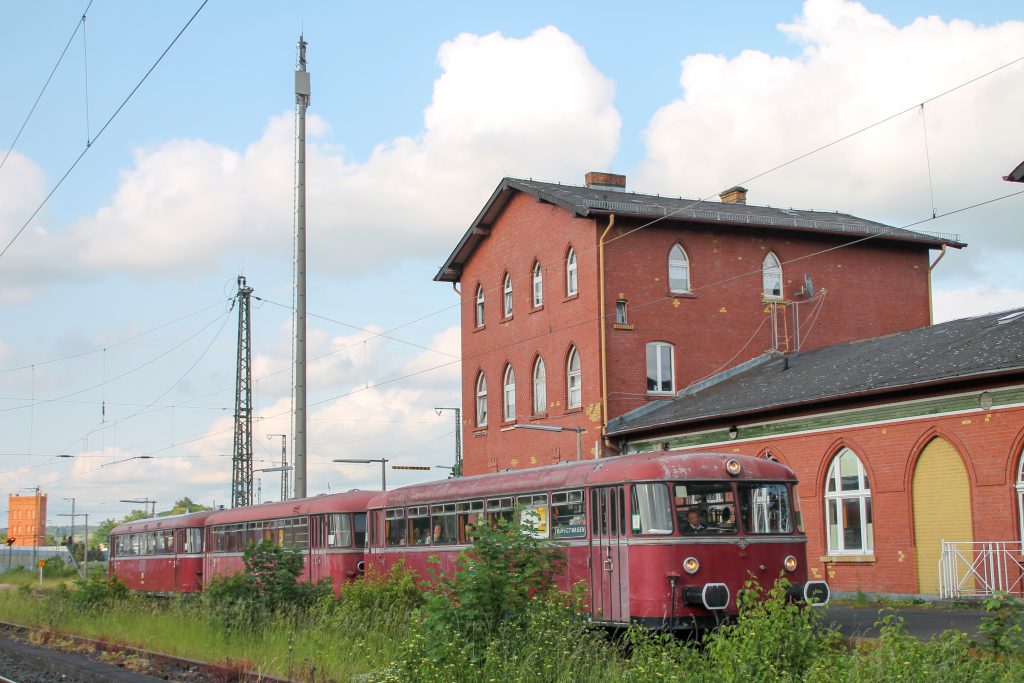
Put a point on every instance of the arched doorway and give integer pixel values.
(942, 508)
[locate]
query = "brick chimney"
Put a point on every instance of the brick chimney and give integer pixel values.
(734, 195)
(606, 181)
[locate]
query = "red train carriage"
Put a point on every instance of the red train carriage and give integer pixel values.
(665, 540)
(160, 555)
(330, 530)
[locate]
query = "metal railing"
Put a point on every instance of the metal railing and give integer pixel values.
(980, 568)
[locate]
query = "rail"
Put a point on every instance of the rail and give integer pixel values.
(980, 568)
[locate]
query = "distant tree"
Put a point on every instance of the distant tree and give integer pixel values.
(186, 505)
(101, 535)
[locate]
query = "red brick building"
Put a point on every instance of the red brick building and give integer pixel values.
(26, 519)
(580, 304)
(904, 445)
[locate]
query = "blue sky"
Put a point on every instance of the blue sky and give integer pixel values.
(417, 111)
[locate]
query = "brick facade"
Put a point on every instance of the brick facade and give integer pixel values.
(723, 321)
(26, 519)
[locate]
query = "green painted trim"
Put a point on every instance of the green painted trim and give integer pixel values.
(850, 418)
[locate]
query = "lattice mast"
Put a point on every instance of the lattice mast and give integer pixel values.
(241, 459)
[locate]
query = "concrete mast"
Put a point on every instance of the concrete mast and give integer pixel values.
(302, 92)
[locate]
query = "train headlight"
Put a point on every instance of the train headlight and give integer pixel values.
(789, 563)
(733, 467)
(691, 565)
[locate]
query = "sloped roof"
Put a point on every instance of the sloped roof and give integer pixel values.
(985, 346)
(593, 201)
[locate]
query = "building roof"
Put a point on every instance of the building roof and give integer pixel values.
(587, 202)
(972, 348)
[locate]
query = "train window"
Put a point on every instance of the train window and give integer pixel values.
(705, 508)
(652, 511)
(568, 514)
(499, 508)
(765, 509)
(339, 530)
(360, 529)
(471, 515)
(533, 514)
(394, 527)
(419, 524)
(445, 524)
(299, 537)
(194, 540)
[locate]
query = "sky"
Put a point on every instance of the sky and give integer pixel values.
(117, 335)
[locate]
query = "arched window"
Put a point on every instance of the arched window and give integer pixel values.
(509, 394)
(678, 270)
(571, 282)
(660, 369)
(1020, 498)
(848, 517)
(771, 274)
(538, 285)
(479, 305)
(506, 289)
(574, 379)
(481, 400)
(540, 387)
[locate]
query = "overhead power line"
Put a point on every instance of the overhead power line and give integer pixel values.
(32, 110)
(110, 120)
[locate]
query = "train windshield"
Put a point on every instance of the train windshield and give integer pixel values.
(766, 508)
(705, 508)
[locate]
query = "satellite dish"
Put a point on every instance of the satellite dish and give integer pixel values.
(808, 286)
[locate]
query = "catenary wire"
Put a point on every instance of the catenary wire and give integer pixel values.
(100, 132)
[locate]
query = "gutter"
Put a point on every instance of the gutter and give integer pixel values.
(604, 334)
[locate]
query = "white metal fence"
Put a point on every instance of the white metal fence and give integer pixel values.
(980, 568)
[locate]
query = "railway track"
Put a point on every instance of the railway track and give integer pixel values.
(75, 659)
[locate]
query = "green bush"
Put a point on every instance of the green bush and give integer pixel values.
(1003, 628)
(97, 593)
(396, 592)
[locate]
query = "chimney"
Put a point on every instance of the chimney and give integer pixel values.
(734, 195)
(597, 180)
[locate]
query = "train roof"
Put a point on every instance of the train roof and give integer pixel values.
(641, 467)
(184, 520)
(355, 500)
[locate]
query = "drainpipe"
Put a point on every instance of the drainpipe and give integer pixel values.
(604, 325)
(930, 269)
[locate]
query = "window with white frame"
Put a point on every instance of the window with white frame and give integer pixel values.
(1020, 498)
(848, 518)
(660, 369)
(540, 387)
(481, 400)
(771, 274)
(506, 289)
(538, 285)
(509, 394)
(571, 283)
(574, 379)
(678, 270)
(479, 305)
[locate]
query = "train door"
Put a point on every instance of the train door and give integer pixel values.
(179, 561)
(318, 567)
(609, 566)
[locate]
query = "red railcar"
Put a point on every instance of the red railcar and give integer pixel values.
(626, 527)
(160, 555)
(330, 530)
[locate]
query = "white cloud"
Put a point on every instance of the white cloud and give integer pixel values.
(743, 115)
(976, 300)
(502, 106)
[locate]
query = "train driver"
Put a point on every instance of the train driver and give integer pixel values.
(693, 525)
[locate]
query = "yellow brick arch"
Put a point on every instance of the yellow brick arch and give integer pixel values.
(941, 496)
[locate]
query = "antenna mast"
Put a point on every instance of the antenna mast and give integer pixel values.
(241, 459)
(302, 92)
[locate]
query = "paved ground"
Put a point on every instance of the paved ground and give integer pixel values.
(923, 622)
